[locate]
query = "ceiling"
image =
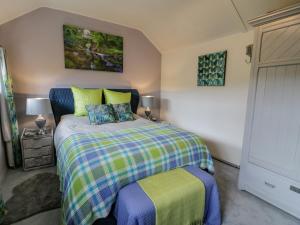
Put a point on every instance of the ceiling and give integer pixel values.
(168, 24)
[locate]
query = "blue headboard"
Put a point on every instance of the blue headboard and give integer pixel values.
(62, 101)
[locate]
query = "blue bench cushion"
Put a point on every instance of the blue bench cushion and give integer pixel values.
(134, 207)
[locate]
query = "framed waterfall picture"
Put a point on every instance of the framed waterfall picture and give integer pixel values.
(92, 50)
(211, 69)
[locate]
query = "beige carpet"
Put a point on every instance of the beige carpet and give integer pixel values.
(242, 208)
(238, 207)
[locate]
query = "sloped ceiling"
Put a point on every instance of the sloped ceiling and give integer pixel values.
(167, 23)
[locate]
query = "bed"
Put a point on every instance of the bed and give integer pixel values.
(95, 162)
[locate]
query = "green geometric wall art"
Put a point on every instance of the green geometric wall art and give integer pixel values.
(211, 69)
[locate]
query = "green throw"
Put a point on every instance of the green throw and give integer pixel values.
(178, 197)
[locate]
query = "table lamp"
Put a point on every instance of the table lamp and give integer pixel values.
(39, 107)
(148, 103)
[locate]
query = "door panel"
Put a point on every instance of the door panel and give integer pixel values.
(280, 44)
(275, 135)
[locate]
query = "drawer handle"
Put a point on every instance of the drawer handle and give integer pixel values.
(295, 189)
(269, 185)
(39, 147)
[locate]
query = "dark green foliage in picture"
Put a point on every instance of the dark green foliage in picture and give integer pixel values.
(91, 50)
(211, 69)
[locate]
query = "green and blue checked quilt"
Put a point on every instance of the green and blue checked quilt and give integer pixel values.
(93, 167)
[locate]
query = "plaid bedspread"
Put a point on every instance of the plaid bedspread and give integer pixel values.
(93, 167)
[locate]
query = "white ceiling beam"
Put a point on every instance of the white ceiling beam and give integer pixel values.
(239, 15)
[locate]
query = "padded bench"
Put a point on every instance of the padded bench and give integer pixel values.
(134, 207)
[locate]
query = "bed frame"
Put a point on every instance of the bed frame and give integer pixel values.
(62, 101)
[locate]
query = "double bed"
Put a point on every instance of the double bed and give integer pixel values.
(96, 161)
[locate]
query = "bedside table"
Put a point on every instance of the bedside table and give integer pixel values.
(37, 150)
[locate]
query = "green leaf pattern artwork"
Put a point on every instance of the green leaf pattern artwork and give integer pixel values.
(92, 50)
(211, 69)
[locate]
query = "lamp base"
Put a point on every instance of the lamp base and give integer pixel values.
(40, 122)
(148, 114)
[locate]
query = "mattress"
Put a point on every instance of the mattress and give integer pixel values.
(71, 124)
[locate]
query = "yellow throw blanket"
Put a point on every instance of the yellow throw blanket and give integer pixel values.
(178, 197)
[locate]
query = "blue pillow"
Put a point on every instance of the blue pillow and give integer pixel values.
(100, 114)
(123, 112)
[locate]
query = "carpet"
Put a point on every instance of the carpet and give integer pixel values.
(238, 207)
(37, 194)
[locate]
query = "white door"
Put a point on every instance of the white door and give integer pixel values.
(275, 134)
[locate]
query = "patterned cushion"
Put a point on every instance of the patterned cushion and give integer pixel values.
(123, 112)
(83, 97)
(100, 114)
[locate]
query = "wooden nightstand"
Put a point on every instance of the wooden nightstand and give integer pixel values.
(37, 150)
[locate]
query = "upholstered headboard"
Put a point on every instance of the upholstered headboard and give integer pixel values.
(62, 101)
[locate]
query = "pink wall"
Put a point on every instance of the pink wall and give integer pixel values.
(34, 44)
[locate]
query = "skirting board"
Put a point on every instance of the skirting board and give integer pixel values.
(226, 162)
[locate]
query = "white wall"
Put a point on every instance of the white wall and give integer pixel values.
(215, 113)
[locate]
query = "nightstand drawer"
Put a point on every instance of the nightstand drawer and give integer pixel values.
(39, 161)
(37, 143)
(36, 152)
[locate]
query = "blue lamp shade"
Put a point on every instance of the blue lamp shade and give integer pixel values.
(38, 106)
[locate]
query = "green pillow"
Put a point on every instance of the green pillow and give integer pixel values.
(115, 97)
(83, 97)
